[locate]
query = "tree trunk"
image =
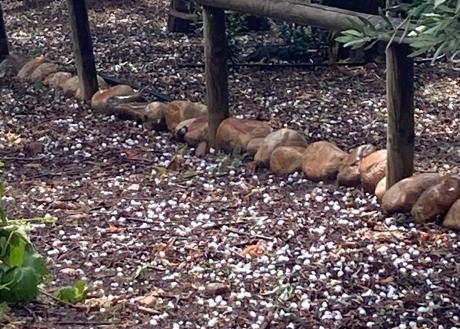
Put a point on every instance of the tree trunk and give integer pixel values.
(215, 54)
(83, 48)
(3, 37)
(400, 104)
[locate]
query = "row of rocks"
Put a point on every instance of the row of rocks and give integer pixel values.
(284, 151)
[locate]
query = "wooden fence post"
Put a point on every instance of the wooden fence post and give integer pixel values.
(3, 37)
(215, 54)
(179, 17)
(400, 104)
(83, 48)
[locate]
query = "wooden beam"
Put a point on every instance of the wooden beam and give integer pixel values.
(83, 48)
(215, 54)
(4, 52)
(400, 104)
(297, 11)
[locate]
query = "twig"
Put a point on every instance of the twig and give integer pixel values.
(59, 301)
(147, 310)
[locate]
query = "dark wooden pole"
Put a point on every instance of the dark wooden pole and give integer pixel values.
(215, 54)
(179, 17)
(3, 38)
(83, 48)
(400, 104)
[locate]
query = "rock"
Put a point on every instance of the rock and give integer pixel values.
(71, 87)
(348, 174)
(197, 131)
(253, 145)
(452, 219)
(437, 199)
(403, 195)
(285, 160)
(154, 116)
(101, 84)
(32, 149)
(178, 111)
(181, 129)
(381, 188)
(216, 288)
(55, 80)
(134, 111)
(372, 169)
(321, 161)
(30, 66)
(233, 135)
(11, 65)
(202, 149)
(100, 99)
(42, 71)
(281, 137)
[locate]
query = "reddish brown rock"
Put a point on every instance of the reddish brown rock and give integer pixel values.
(233, 135)
(285, 160)
(197, 131)
(381, 188)
(57, 79)
(178, 111)
(100, 99)
(321, 161)
(452, 219)
(253, 145)
(372, 169)
(42, 71)
(30, 66)
(71, 87)
(437, 199)
(154, 116)
(281, 137)
(348, 174)
(402, 196)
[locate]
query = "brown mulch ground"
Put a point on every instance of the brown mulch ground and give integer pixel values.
(134, 225)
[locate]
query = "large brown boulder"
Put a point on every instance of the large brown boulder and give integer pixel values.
(281, 137)
(71, 87)
(100, 99)
(452, 219)
(233, 135)
(285, 160)
(348, 174)
(57, 79)
(42, 71)
(402, 196)
(381, 188)
(253, 145)
(154, 116)
(372, 169)
(30, 66)
(321, 161)
(197, 132)
(178, 111)
(437, 199)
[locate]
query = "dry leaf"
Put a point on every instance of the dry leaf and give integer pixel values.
(254, 250)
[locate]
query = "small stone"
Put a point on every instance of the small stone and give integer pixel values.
(216, 288)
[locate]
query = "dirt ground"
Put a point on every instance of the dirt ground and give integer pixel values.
(164, 238)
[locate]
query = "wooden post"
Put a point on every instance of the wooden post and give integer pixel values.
(400, 104)
(179, 17)
(215, 54)
(3, 38)
(83, 48)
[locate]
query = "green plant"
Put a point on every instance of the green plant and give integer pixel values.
(304, 40)
(427, 25)
(73, 294)
(22, 269)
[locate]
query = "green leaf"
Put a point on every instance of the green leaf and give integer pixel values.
(19, 284)
(190, 173)
(73, 294)
(37, 262)
(437, 3)
(16, 251)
